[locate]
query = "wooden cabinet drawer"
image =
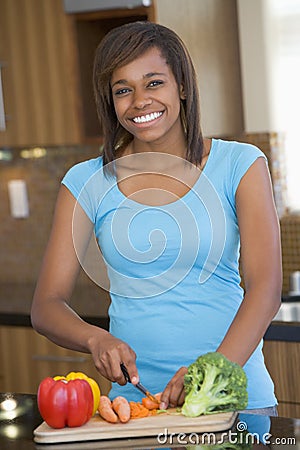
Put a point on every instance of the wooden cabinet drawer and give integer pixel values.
(283, 362)
(28, 357)
(38, 76)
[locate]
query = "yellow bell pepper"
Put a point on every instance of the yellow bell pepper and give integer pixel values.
(82, 376)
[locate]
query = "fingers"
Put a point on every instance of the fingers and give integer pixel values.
(132, 371)
(108, 355)
(111, 361)
(174, 394)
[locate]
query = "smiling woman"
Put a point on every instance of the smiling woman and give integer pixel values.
(171, 213)
(147, 104)
(163, 84)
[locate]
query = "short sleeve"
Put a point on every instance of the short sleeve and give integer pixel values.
(82, 180)
(241, 159)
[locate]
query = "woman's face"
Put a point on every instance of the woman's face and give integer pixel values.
(146, 98)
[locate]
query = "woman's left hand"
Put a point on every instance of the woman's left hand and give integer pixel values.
(173, 394)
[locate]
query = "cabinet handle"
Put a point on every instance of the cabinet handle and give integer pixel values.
(79, 359)
(2, 112)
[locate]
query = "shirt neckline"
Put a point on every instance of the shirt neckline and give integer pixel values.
(179, 200)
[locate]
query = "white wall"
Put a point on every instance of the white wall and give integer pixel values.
(209, 29)
(257, 55)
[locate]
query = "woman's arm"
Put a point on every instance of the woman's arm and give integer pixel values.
(51, 314)
(261, 266)
(260, 262)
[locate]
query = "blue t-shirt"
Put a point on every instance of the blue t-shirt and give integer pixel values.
(173, 269)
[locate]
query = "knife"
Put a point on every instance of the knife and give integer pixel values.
(139, 386)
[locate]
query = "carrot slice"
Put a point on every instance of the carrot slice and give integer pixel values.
(105, 410)
(121, 407)
(149, 404)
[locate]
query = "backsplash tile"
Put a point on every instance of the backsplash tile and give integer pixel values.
(290, 237)
(272, 144)
(23, 241)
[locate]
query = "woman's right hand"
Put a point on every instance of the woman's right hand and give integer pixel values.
(108, 353)
(51, 314)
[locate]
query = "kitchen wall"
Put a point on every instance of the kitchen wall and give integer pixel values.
(290, 236)
(263, 113)
(23, 241)
(273, 144)
(42, 170)
(210, 30)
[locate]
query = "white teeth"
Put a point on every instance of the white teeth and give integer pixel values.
(147, 118)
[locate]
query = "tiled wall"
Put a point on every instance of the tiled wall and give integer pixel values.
(23, 241)
(272, 144)
(290, 237)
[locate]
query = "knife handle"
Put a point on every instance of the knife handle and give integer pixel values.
(125, 373)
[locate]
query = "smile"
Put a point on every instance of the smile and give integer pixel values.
(147, 117)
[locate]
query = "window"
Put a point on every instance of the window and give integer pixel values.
(286, 16)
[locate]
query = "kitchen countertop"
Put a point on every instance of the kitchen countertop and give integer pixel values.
(17, 425)
(88, 299)
(279, 330)
(23, 320)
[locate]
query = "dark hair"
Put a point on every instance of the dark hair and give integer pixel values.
(121, 46)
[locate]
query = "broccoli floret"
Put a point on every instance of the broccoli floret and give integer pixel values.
(214, 384)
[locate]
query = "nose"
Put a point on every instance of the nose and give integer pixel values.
(141, 99)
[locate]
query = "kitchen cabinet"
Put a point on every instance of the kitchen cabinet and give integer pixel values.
(38, 78)
(47, 58)
(27, 357)
(88, 29)
(283, 362)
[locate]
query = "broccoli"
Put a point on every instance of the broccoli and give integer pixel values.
(214, 384)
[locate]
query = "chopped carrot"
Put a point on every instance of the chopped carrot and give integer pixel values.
(138, 410)
(150, 404)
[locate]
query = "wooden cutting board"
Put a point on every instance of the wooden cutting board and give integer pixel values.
(99, 429)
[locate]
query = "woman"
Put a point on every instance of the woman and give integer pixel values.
(171, 213)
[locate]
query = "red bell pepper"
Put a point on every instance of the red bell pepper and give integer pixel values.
(65, 403)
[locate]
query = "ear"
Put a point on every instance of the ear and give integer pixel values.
(182, 93)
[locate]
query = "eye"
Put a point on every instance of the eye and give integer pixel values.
(155, 83)
(122, 91)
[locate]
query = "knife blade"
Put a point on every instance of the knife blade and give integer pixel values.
(139, 385)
